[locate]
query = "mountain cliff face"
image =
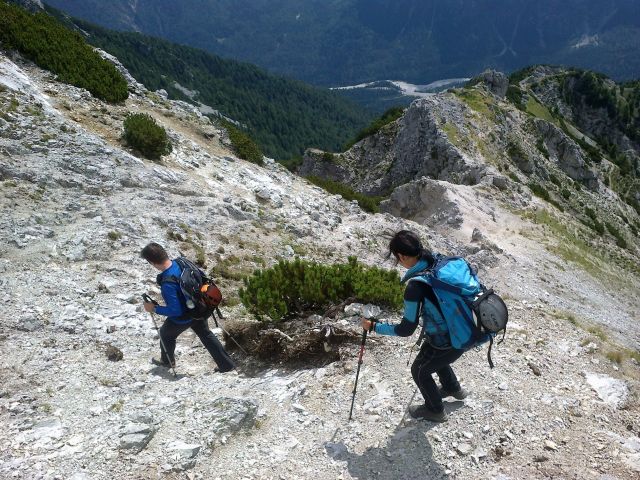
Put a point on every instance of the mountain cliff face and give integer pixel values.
(354, 41)
(80, 400)
(546, 133)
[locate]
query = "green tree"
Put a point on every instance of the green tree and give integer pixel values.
(143, 133)
(44, 40)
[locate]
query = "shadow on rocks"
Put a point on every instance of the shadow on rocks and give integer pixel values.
(166, 373)
(407, 455)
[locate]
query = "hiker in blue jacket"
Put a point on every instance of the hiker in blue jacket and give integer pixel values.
(174, 309)
(436, 354)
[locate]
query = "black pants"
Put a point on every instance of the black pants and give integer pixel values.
(170, 331)
(431, 360)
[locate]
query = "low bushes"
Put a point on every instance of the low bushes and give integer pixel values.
(369, 204)
(143, 133)
(243, 145)
(297, 286)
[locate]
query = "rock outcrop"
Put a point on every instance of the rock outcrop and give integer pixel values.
(426, 201)
(414, 146)
(496, 82)
(567, 154)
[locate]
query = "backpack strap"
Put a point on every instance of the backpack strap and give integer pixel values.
(170, 279)
(489, 352)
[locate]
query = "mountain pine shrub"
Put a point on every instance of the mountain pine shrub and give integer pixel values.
(143, 133)
(45, 41)
(367, 203)
(243, 145)
(516, 96)
(294, 287)
(613, 230)
(539, 191)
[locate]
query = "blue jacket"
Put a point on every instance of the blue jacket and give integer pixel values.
(419, 298)
(175, 304)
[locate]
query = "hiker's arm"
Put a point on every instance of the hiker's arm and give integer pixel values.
(413, 295)
(172, 307)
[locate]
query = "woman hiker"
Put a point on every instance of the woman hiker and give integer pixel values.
(436, 354)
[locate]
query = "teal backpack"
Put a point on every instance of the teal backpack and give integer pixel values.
(474, 314)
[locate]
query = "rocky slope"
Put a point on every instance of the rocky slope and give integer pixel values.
(80, 400)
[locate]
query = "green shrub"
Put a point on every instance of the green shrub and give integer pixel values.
(613, 230)
(539, 191)
(555, 180)
(566, 194)
(243, 145)
(598, 227)
(291, 288)
(519, 75)
(143, 133)
(515, 151)
(594, 224)
(391, 115)
(328, 157)
(114, 235)
(591, 213)
(516, 96)
(367, 203)
(45, 41)
(292, 163)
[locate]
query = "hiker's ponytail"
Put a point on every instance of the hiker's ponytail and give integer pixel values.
(407, 243)
(427, 255)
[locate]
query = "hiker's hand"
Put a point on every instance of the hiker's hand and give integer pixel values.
(149, 307)
(367, 324)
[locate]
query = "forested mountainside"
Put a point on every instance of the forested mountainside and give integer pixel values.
(284, 116)
(353, 41)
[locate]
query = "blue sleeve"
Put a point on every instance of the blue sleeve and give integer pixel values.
(173, 306)
(413, 296)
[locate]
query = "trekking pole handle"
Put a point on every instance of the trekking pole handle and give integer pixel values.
(372, 323)
(148, 299)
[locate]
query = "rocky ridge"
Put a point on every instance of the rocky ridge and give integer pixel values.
(480, 136)
(77, 207)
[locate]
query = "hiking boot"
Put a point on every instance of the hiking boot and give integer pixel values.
(161, 363)
(459, 394)
(422, 412)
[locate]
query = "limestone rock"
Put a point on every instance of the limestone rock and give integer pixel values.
(136, 436)
(611, 391)
(226, 416)
(425, 201)
(568, 154)
(496, 82)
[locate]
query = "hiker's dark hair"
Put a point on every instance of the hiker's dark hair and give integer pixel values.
(407, 243)
(154, 253)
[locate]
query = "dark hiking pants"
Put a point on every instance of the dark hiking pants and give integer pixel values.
(170, 331)
(431, 360)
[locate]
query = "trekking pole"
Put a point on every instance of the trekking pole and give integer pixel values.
(225, 331)
(355, 385)
(148, 299)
